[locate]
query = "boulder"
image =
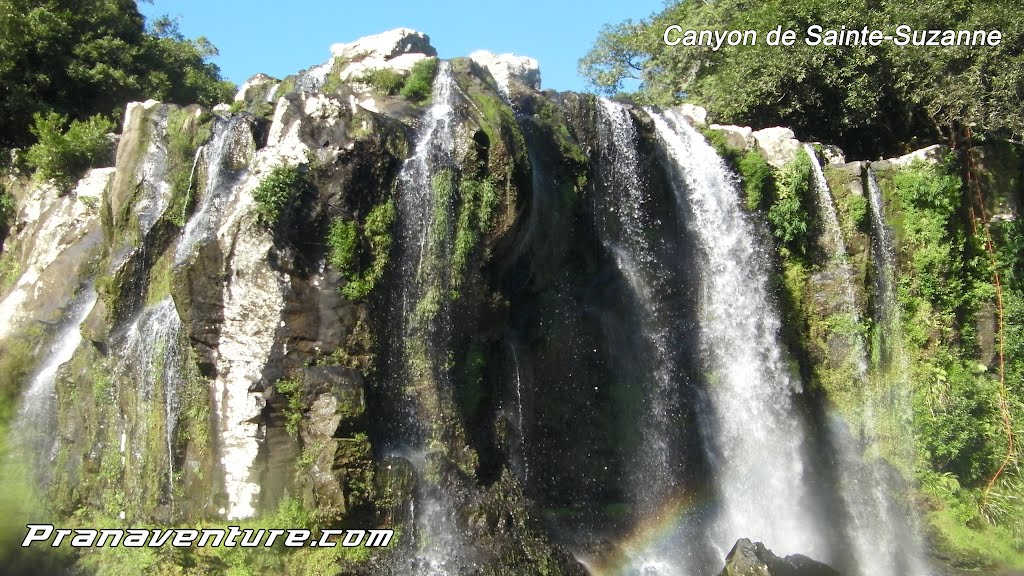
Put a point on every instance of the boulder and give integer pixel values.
(695, 114)
(509, 69)
(255, 88)
(931, 155)
(778, 145)
(754, 559)
(386, 45)
(736, 137)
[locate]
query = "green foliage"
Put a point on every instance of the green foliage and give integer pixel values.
(857, 210)
(346, 250)
(930, 198)
(789, 215)
(64, 155)
(415, 87)
(386, 80)
(420, 81)
(758, 179)
(291, 389)
(342, 242)
(279, 196)
(867, 99)
(81, 59)
(8, 210)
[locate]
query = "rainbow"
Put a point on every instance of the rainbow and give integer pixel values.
(654, 545)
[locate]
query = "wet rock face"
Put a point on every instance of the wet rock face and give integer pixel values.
(753, 559)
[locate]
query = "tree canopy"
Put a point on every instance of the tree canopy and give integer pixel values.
(868, 99)
(79, 58)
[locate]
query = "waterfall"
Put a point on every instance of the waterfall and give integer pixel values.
(222, 173)
(758, 437)
(151, 361)
(887, 310)
(835, 247)
(422, 327)
(624, 232)
(36, 420)
(884, 533)
(520, 417)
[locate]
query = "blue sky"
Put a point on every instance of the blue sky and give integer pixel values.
(280, 38)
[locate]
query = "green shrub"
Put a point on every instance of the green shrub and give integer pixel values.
(421, 80)
(8, 208)
(758, 179)
(279, 196)
(291, 389)
(64, 155)
(342, 241)
(377, 232)
(386, 80)
(857, 210)
(789, 215)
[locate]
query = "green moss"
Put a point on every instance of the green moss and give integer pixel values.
(471, 392)
(10, 268)
(856, 211)
(287, 86)
(333, 81)
(160, 276)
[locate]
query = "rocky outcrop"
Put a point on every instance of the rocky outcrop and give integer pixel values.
(754, 559)
(511, 72)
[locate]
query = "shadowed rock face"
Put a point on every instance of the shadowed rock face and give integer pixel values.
(752, 559)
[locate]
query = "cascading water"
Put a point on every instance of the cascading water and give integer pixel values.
(37, 417)
(422, 325)
(883, 533)
(758, 436)
(151, 358)
(520, 416)
(623, 230)
(887, 310)
(882, 542)
(835, 246)
(222, 173)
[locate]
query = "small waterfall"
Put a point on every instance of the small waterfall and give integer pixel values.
(884, 532)
(151, 360)
(520, 417)
(835, 247)
(422, 327)
(887, 310)
(36, 420)
(222, 173)
(758, 437)
(624, 231)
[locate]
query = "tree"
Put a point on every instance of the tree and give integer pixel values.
(80, 58)
(869, 99)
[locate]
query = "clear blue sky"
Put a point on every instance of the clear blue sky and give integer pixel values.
(280, 38)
